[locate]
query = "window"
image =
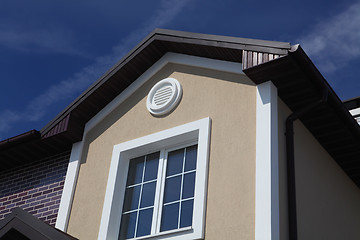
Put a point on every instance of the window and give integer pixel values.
(177, 207)
(174, 210)
(138, 207)
(157, 185)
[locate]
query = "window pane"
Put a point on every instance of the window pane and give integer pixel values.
(144, 222)
(172, 189)
(151, 168)
(170, 217)
(127, 228)
(190, 159)
(186, 213)
(136, 166)
(175, 162)
(148, 194)
(131, 200)
(189, 185)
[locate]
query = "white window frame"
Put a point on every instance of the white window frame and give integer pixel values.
(193, 132)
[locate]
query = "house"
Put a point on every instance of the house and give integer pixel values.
(193, 136)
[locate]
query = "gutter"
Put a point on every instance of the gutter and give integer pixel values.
(290, 157)
(298, 64)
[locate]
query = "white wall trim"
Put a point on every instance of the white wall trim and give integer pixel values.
(355, 112)
(267, 223)
(169, 57)
(69, 187)
(70, 182)
(112, 209)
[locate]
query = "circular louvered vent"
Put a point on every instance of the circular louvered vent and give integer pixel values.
(164, 96)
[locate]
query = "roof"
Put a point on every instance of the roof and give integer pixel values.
(145, 54)
(68, 126)
(30, 147)
(352, 103)
(298, 81)
(20, 225)
(299, 85)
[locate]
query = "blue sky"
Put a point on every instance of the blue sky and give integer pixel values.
(51, 51)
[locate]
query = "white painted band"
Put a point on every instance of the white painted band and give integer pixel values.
(267, 221)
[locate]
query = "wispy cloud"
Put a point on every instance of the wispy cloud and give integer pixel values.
(69, 88)
(336, 41)
(54, 40)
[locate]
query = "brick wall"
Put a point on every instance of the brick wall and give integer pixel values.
(36, 188)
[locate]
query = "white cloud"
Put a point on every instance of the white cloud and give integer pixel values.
(74, 85)
(336, 41)
(53, 40)
(8, 117)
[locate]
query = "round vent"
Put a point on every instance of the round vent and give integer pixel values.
(164, 96)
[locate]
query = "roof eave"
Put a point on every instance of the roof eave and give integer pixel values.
(300, 84)
(171, 36)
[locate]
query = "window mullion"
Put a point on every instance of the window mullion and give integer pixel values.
(158, 194)
(161, 190)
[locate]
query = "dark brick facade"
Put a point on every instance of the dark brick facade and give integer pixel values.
(36, 188)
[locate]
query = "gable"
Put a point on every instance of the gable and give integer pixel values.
(68, 126)
(227, 98)
(141, 58)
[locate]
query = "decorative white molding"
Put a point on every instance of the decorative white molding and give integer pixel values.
(69, 187)
(164, 96)
(70, 182)
(267, 221)
(194, 131)
(169, 57)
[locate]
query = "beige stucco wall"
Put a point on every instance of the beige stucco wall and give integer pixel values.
(328, 202)
(230, 101)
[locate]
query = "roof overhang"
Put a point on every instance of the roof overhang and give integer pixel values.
(68, 126)
(298, 81)
(300, 85)
(137, 61)
(30, 147)
(352, 103)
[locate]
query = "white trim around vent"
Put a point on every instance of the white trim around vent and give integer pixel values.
(164, 96)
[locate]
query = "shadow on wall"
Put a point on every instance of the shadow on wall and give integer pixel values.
(36, 188)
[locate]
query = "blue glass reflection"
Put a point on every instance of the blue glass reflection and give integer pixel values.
(151, 166)
(190, 159)
(170, 216)
(172, 189)
(144, 222)
(186, 213)
(127, 228)
(131, 200)
(136, 167)
(175, 162)
(148, 195)
(188, 185)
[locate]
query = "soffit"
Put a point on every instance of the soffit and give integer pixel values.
(66, 128)
(352, 103)
(298, 81)
(30, 147)
(299, 85)
(150, 50)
